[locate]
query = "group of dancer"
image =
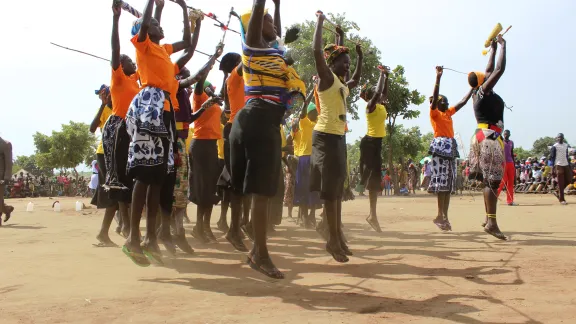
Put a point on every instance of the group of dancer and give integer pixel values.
(151, 157)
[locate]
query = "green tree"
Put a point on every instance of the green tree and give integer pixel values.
(30, 164)
(301, 52)
(354, 154)
(400, 101)
(406, 144)
(541, 146)
(522, 154)
(425, 141)
(65, 149)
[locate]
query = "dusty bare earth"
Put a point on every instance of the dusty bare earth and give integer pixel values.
(51, 273)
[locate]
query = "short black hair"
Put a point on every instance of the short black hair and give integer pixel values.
(229, 62)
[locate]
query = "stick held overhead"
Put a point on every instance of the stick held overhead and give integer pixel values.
(81, 52)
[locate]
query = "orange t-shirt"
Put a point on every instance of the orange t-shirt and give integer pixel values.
(208, 125)
(442, 122)
(155, 67)
(173, 92)
(123, 89)
(235, 89)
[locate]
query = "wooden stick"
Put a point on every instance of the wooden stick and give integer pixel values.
(74, 50)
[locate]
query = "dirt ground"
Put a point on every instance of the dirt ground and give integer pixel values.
(51, 273)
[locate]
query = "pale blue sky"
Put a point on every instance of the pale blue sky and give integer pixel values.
(417, 34)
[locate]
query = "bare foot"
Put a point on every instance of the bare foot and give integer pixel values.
(223, 226)
(236, 240)
(210, 235)
(182, 243)
(336, 251)
(373, 221)
(200, 235)
(104, 241)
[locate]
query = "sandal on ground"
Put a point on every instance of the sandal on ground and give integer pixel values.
(270, 271)
(138, 258)
(499, 235)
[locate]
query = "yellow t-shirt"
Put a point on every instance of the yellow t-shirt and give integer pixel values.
(189, 139)
(306, 127)
(332, 117)
(220, 143)
(296, 140)
(283, 137)
(106, 112)
(377, 122)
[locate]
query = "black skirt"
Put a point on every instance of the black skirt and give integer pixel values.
(371, 163)
(204, 172)
(328, 165)
(255, 148)
(116, 143)
(100, 198)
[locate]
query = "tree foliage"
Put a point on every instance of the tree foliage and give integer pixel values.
(522, 154)
(407, 144)
(65, 149)
(30, 164)
(425, 141)
(301, 52)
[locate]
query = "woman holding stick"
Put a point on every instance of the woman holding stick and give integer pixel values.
(486, 158)
(444, 151)
(328, 162)
(150, 122)
(123, 87)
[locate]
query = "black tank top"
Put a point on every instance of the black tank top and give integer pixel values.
(489, 108)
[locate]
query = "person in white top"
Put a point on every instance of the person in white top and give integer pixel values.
(561, 162)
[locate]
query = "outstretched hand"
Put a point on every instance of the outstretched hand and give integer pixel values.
(500, 40)
(159, 3)
(116, 9)
(320, 15)
(439, 71)
(359, 49)
(219, 50)
(213, 100)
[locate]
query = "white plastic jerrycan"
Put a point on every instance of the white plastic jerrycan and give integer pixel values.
(57, 207)
(30, 207)
(79, 206)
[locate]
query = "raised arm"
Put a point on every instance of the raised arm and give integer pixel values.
(146, 19)
(324, 73)
(159, 9)
(202, 73)
(378, 93)
(309, 97)
(355, 81)
(189, 52)
(384, 97)
(500, 67)
(115, 37)
(492, 60)
(254, 32)
(439, 71)
(339, 36)
(96, 121)
(277, 20)
(464, 100)
(186, 37)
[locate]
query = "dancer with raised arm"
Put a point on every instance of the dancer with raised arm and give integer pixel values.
(328, 162)
(487, 158)
(150, 123)
(444, 151)
(255, 143)
(371, 144)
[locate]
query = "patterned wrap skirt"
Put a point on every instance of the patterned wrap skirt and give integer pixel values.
(444, 151)
(152, 131)
(182, 171)
(487, 160)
